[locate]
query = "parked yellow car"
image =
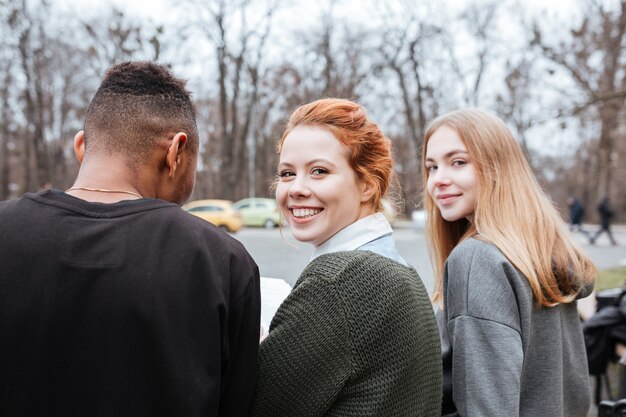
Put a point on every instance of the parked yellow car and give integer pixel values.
(261, 212)
(219, 212)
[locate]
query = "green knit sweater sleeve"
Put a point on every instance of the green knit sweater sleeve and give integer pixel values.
(309, 343)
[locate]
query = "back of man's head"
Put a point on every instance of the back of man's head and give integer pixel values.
(138, 104)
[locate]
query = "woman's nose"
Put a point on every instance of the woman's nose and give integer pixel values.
(440, 178)
(299, 188)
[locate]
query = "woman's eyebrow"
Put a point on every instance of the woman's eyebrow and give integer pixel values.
(309, 163)
(449, 154)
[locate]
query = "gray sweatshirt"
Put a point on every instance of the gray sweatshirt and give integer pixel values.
(502, 355)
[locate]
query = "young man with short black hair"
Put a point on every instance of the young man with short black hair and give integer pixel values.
(113, 300)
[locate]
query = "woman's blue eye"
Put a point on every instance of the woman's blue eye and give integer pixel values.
(283, 174)
(431, 168)
(458, 162)
(319, 171)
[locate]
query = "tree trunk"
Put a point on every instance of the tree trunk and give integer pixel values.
(4, 137)
(608, 114)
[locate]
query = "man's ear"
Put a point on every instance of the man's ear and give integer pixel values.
(172, 160)
(79, 146)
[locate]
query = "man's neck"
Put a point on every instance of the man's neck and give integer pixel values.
(107, 180)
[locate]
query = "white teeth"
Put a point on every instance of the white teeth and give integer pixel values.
(303, 213)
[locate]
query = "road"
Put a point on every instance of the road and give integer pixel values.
(280, 256)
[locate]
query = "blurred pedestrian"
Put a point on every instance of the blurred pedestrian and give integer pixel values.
(576, 215)
(113, 300)
(507, 276)
(606, 214)
(357, 335)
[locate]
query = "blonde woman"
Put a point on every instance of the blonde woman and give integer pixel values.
(507, 276)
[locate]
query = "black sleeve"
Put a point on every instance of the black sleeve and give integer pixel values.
(239, 377)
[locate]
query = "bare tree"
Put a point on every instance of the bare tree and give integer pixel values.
(33, 58)
(409, 54)
(117, 37)
(593, 56)
(7, 15)
(480, 21)
(238, 51)
(5, 115)
(406, 51)
(513, 103)
(334, 58)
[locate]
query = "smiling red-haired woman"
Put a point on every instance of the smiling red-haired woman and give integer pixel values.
(357, 335)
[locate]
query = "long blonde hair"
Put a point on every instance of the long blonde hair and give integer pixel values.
(512, 212)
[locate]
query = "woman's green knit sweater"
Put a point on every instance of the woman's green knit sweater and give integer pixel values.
(356, 337)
